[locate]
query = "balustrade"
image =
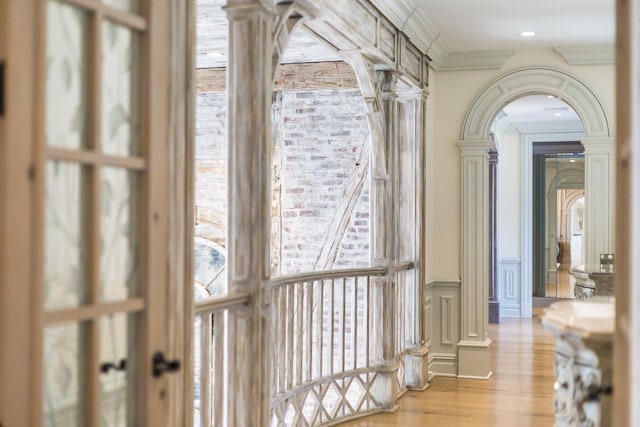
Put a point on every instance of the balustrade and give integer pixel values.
(326, 349)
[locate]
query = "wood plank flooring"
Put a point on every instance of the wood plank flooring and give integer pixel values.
(563, 288)
(520, 392)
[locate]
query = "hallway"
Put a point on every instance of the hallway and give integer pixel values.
(520, 393)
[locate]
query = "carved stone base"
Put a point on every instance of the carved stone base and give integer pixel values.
(583, 351)
(494, 311)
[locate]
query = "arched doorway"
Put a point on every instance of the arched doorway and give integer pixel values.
(474, 148)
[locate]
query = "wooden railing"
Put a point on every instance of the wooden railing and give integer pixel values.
(328, 345)
(212, 391)
(327, 330)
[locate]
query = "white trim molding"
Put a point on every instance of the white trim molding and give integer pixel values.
(474, 146)
(526, 304)
(599, 159)
(476, 60)
(510, 287)
(413, 22)
(442, 315)
(531, 81)
(473, 349)
(587, 55)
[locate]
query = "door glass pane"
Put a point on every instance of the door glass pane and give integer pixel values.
(120, 119)
(64, 375)
(119, 241)
(67, 67)
(128, 5)
(64, 239)
(117, 334)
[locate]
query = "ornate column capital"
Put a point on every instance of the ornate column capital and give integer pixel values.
(475, 147)
(412, 94)
(598, 145)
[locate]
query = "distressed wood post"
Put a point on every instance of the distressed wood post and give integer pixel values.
(379, 92)
(411, 131)
(250, 74)
(474, 357)
(599, 163)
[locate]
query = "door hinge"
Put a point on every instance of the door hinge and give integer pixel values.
(1, 96)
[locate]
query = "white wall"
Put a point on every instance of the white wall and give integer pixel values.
(431, 178)
(510, 196)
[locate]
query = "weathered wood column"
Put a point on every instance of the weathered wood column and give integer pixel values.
(474, 358)
(599, 163)
(379, 91)
(410, 221)
(250, 72)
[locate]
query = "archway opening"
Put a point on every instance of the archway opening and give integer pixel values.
(474, 149)
(553, 131)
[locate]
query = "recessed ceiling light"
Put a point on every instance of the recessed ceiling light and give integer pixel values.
(528, 33)
(572, 161)
(550, 96)
(557, 114)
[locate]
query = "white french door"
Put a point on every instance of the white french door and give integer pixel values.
(85, 217)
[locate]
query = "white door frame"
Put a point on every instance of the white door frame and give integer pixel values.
(527, 209)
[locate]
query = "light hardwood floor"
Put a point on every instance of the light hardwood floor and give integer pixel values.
(564, 286)
(520, 392)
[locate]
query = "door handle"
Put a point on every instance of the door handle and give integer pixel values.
(161, 365)
(106, 367)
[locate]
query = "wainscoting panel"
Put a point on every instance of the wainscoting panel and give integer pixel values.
(428, 319)
(442, 311)
(510, 287)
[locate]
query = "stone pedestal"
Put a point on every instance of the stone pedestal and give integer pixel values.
(590, 281)
(583, 332)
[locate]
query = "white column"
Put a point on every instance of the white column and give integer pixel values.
(474, 358)
(599, 198)
(249, 84)
(411, 132)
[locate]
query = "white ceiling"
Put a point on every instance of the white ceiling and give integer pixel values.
(537, 113)
(473, 25)
(467, 29)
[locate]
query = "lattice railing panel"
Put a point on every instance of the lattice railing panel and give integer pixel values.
(327, 402)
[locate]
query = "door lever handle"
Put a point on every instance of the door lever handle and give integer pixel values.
(106, 367)
(160, 365)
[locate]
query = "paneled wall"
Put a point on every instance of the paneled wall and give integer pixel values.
(510, 287)
(442, 314)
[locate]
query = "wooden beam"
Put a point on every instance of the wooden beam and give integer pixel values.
(307, 76)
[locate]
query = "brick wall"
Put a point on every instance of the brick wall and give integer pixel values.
(319, 137)
(323, 133)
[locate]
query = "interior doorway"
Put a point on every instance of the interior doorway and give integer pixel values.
(558, 218)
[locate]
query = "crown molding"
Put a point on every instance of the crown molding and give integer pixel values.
(477, 60)
(420, 30)
(405, 15)
(587, 55)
